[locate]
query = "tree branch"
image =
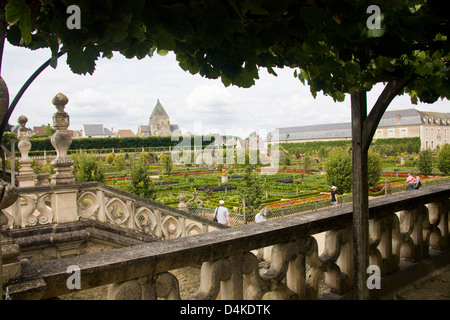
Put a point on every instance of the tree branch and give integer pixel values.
(392, 89)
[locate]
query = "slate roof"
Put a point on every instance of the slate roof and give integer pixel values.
(158, 112)
(92, 130)
(320, 131)
(392, 118)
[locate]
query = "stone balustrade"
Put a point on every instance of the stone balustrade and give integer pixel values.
(306, 256)
(92, 200)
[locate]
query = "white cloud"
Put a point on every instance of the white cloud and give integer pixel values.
(122, 94)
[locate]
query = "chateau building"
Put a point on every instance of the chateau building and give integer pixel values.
(433, 129)
(158, 124)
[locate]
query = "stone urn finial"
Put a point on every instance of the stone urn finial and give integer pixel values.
(61, 141)
(26, 176)
(182, 205)
(22, 120)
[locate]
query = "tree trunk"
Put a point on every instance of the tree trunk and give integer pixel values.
(360, 195)
(4, 100)
(363, 129)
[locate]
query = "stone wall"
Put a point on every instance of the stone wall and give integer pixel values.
(405, 230)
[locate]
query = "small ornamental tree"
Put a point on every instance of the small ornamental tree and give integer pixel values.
(374, 168)
(425, 162)
(88, 167)
(338, 168)
(140, 181)
(166, 160)
(444, 159)
(252, 188)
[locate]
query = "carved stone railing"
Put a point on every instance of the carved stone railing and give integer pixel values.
(92, 200)
(306, 253)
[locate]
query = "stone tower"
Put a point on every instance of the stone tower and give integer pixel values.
(159, 121)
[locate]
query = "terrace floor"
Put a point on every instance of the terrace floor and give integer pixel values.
(435, 286)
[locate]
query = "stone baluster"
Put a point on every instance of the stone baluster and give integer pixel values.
(337, 262)
(409, 243)
(61, 141)
(163, 285)
(385, 242)
(277, 282)
(26, 176)
(211, 274)
(437, 230)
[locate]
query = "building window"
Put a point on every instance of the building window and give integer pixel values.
(403, 133)
(391, 133)
(379, 135)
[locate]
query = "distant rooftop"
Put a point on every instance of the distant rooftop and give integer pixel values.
(96, 130)
(343, 130)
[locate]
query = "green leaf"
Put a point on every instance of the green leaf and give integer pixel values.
(82, 61)
(54, 47)
(18, 11)
(162, 52)
(15, 10)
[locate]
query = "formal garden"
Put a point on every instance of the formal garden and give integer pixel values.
(301, 182)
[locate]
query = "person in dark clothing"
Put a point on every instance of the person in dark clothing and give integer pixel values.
(417, 183)
(334, 199)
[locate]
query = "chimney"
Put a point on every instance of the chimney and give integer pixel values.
(398, 118)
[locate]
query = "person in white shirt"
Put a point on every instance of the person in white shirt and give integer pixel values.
(222, 214)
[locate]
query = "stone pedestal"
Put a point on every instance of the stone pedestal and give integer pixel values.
(26, 176)
(224, 179)
(64, 205)
(61, 141)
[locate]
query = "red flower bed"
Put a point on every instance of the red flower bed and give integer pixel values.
(295, 202)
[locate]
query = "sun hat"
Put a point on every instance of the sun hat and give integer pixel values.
(333, 187)
(221, 202)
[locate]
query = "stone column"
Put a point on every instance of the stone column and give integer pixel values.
(26, 176)
(61, 141)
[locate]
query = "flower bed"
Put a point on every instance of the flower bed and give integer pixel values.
(285, 180)
(215, 189)
(297, 202)
(161, 183)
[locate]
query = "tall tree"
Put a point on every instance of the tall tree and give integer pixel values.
(336, 47)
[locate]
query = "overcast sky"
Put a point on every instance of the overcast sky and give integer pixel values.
(122, 93)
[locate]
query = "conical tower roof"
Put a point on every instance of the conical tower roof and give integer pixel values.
(158, 112)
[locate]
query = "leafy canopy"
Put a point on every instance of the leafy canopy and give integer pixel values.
(327, 42)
